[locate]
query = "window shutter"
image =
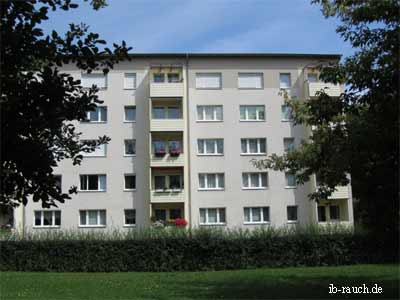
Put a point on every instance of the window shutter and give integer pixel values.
(250, 80)
(94, 79)
(208, 81)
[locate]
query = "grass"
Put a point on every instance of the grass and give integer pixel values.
(295, 283)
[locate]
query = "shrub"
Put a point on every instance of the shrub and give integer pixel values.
(177, 249)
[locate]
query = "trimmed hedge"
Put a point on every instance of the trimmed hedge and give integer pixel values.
(194, 252)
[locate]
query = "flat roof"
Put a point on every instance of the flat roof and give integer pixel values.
(237, 55)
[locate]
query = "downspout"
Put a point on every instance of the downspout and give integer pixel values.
(188, 137)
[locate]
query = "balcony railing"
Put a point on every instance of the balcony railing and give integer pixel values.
(333, 90)
(342, 192)
(166, 125)
(171, 89)
(167, 196)
(167, 160)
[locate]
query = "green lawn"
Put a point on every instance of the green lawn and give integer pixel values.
(241, 284)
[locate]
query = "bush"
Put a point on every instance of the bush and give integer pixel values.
(177, 249)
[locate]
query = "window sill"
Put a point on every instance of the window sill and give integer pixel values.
(254, 188)
(129, 190)
(286, 120)
(253, 121)
(129, 225)
(91, 226)
(218, 189)
(290, 187)
(199, 154)
(253, 154)
(46, 227)
(94, 191)
(209, 121)
(257, 223)
(129, 89)
(292, 222)
(129, 155)
(168, 191)
(129, 121)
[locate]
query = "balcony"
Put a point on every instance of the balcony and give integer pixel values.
(333, 90)
(342, 192)
(167, 196)
(166, 125)
(167, 160)
(169, 89)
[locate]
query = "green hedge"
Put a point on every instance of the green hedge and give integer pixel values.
(190, 252)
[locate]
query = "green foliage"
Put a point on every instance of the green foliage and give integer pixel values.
(190, 250)
(358, 132)
(38, 103)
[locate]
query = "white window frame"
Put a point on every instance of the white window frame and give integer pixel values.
(129, 190)
(92, 154)
(286, 150)
(130, 76)
(203, 108)
(95, 74)
(260, 186)
(167, 182)
(53, 219)
(87, 218)
(218, 74)
(99, 114)
(247, 113)
(251, 74)
(217, 183)
(263, 221)
(126, 154)
(297, 214)
(219, 209)
(287, 186)
(129, 106)
(215, 153)
(98, 183)
(258, 146)
(285, 119)
(129, 225)
(290, 80)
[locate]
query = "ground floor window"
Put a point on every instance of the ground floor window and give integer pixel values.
(47, 218)
(292, 213)
(92, 218)
(256, 215)
(130, 217)
(212, 216)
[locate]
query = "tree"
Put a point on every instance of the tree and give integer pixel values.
(38, 102)
(357, 133)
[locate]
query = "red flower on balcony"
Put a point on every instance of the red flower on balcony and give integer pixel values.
(179, 222)
(174, 152)
(160, 152)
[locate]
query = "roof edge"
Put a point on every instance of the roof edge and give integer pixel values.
(237, 55)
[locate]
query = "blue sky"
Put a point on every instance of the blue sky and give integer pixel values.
(272, 26)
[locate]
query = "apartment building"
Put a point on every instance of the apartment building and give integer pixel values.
(184, 129)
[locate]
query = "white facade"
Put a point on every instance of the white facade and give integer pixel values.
(196, 121)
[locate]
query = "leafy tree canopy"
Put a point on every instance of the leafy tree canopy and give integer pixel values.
(39, 103)
(356, 133)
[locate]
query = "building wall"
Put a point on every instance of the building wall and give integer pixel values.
(232, 163)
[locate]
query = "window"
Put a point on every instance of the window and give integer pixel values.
(256, 215)
(130, 217)
(93, 182)
(171, 182)
(288, 144)
(208, 80)
(290, 180)
(334, 212)
(250, 80)
(252, 113)
(175, 148)
(47, 218)
(175, 213)
(130, 114)
(211, 181)
(252, 146)
(159, 78)
(130, 81)
(173, 77)
(92, 218)
(255, 180)
(212, 216)
(130, 182)
(159, 147)
(58, 179)
(284, 81)
(130, 147)
(97, 79)
(286, 113)
(210, 146)
(170, 112)
(98, 115)
(209, 113)
(292, 213)
(98, 152)
(161, 214)
(321, 213)
(312, 77)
